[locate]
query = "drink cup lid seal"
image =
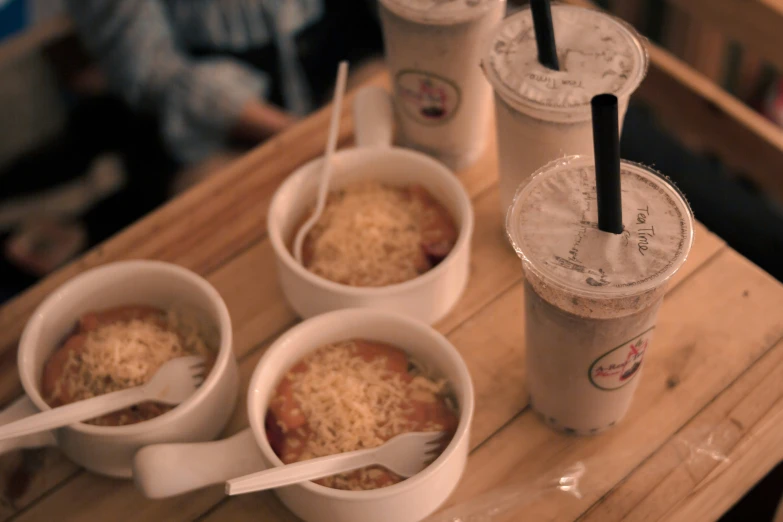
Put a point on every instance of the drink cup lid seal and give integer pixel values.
(597, 53)
(553, 226)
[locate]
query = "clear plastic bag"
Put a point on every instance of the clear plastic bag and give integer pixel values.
(696, 449)
(702, 445)
(484, 508)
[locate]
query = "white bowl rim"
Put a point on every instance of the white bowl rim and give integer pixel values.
(256, 419)
(432, 167)
(225, 350)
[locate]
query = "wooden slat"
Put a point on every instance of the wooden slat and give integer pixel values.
(687, 462)
(26, 475)
(727, 128)
(723, 125)
(754, 23)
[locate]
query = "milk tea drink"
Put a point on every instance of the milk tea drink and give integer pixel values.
(592, 297)
(544, 114)
(443, 103)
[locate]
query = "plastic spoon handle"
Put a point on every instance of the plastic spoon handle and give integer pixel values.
(328, 163)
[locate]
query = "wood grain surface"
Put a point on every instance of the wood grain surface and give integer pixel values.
(711, 385)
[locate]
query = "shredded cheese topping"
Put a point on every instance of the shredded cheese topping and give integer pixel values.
(357, 394)
(368, 235)
(125, 354)
(350, 403)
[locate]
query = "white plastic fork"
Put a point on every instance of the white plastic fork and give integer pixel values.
(405, 455)
(174, 382)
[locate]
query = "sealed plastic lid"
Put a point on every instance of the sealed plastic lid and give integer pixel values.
(440, 12)
(553, 226)
(597, 53)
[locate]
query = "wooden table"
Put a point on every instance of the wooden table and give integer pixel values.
(713, 382)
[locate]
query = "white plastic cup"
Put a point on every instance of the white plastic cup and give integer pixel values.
(592, 297)
(442, 101)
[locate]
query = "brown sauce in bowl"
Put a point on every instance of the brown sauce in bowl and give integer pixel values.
(373, 235)
(67, 375)
(347, 379)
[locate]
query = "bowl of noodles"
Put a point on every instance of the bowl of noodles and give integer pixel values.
(111, 328)
(395, 233)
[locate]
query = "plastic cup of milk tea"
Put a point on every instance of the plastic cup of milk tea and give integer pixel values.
(443, 103)
(592, 297)
(544, 114)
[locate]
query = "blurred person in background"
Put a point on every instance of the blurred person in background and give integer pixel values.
(216, 72)
(170, 90)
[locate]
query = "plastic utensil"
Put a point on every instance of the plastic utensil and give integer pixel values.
(405, 455)
(328, 164)
(174, 382)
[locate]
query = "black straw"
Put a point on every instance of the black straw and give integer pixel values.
(606, 144)
(545, 33)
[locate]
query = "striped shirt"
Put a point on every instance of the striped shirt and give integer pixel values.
(142, 46)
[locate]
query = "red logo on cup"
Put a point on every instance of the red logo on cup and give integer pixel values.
(426, 97)
(620, 365)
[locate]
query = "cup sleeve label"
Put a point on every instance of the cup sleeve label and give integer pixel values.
(427, 98)
(620, 365)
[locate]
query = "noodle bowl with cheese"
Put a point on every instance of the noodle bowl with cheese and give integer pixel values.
(371, 234)
(425, 283)
(351, 395)
(119, 348)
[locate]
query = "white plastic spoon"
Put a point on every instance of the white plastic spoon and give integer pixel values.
(328, 164)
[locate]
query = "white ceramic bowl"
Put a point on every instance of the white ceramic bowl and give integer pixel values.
(167, 469)
(408, 501)
(110, 450)
(427, 297)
